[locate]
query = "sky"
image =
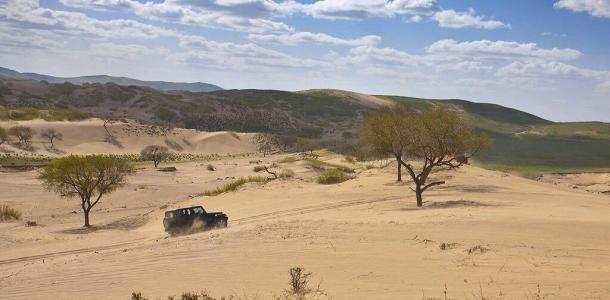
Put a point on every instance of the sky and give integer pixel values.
(547, 57)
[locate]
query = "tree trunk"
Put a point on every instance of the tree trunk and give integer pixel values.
(87, 218)
(418, 195)
(399, 175)
(156, 163)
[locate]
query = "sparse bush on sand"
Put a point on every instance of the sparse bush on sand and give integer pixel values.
(8, 214)
(333, 176)
(257, 169)
(211, 168)
(232, 186)
(298, 289)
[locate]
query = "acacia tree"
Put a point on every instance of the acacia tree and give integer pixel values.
(437, 138)
(422, 142)
(383, 130)
(23, 134)
(51, 135)
(155, 153)
(3, 136)
(86, 177)
(265, 143)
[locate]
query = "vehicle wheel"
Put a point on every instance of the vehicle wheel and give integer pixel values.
(222, 223)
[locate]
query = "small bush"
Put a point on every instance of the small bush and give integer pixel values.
(286, 173)
(231, 187)
(211, 168)
(168, 169)
(9, 214)
(350, 160)
(333, 176)
(258, 168)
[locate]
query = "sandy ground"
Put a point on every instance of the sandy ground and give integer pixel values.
(361, 239)
(90, 137)
(591, 182)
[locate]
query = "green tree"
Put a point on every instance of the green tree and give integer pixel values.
(155, 153)
(429, 140)
(23, 134)
(86, 177)
(384, 130)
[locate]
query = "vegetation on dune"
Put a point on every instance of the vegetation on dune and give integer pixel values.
(8, 214)
(31, 113)
(333, 176)
(233, 186)
(325, 166)
(86, 177)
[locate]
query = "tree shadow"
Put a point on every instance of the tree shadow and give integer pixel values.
(54, 150)
(124, 224)
(469, 188)
(114, 141)
(450, 204)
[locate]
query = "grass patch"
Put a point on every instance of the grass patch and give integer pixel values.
(333, 176)
(9, 214)
(232, 186)
(326, 166)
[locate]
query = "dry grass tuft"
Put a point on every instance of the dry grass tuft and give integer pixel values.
(8, 214)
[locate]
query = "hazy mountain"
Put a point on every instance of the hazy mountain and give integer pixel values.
(158, 85)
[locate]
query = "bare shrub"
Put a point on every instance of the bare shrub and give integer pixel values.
(299, 286)
(211, 168)
(478, 249)
(51, 135)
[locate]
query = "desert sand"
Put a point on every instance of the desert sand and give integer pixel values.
(90, 137)
(361, 239)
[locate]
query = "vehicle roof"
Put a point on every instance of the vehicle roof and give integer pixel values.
(198, 206)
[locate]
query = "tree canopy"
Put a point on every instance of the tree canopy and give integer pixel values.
(155, 153)
(86, 177)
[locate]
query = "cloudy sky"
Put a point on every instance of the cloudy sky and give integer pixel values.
(548, 57)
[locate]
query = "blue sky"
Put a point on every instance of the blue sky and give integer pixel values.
(548, 57)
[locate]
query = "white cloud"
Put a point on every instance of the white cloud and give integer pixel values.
(596, 8)
(557, 69)
(453, 19)
(464, 66)
(318, 38)
(235, 15)
(361, 9)
(27, 14)
(501, 50)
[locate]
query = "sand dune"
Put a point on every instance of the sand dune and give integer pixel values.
(90, 137)
(362, 239)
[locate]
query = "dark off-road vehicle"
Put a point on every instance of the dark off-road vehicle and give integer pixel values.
(185, 220)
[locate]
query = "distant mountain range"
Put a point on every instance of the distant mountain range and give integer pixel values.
(157, 85)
